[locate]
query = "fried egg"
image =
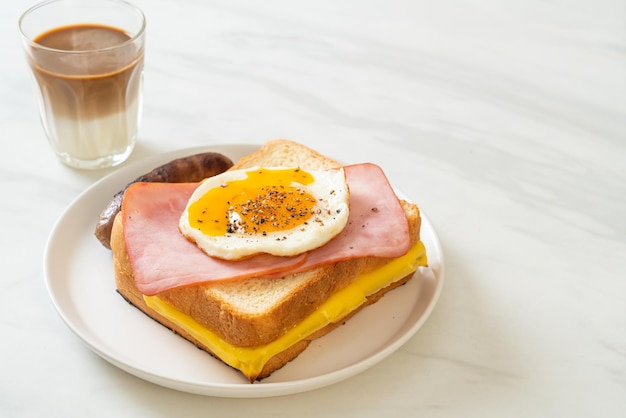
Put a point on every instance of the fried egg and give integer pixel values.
(278, 210)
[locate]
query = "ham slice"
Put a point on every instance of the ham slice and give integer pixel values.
(377, 225)
(162, 258)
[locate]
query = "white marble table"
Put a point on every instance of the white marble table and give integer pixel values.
(505, 121)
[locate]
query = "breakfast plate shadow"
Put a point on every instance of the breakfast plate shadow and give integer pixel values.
(79, 277)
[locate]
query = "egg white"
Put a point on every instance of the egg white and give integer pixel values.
(331, 193)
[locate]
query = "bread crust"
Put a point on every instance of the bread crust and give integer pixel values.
(286, 153)
(126, 287)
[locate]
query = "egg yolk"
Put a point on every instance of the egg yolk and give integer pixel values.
(265, 201)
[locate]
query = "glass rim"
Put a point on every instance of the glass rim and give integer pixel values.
(33, 44)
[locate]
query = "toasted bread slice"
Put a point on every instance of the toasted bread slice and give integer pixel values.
(240, 320)
(286, 153)
(254, 312)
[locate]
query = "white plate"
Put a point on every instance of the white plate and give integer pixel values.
(79, 277)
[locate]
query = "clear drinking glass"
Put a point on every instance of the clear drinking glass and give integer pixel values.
(87, 59)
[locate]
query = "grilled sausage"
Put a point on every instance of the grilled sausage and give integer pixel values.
(182, 170)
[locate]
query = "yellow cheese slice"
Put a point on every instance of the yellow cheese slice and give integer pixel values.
(251, 360)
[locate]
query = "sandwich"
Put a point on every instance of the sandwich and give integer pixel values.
(300, 245)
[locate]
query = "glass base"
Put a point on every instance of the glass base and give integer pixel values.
(106, 161)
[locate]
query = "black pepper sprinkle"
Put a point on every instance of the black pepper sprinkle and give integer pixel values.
(265, 208)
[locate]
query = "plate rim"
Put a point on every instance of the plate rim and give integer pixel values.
(232, 390)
